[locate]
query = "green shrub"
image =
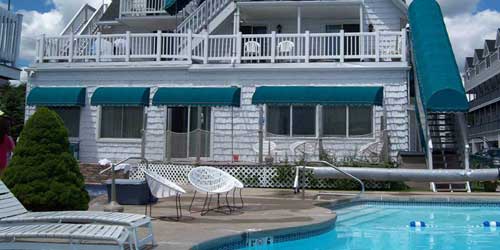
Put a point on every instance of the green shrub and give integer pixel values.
(43, 173)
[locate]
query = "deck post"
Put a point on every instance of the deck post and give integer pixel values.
(307, 46)
(158, 46)
(205, 47)
(42, 48)
(98, 52)
(127, 46)
(238, 48)
(403, 45)
(70, 53)
(377, 46)
(273, 46)
(342, 53)
(189, 51)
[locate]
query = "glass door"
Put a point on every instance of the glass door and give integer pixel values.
(186, 137)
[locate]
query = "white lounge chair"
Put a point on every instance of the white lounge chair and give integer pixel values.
(64, 236)
(211, 181)
(12, 211)
(160, 187)
(238, 185)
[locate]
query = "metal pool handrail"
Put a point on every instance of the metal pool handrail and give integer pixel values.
(343, 172)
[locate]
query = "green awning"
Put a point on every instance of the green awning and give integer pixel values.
(439, 80)
(60, 96)
(197, 97)
(123, 96)
(309, 95)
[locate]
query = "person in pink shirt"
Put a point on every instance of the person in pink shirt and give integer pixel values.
(6, 144)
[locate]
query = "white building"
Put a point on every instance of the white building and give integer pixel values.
(10, 40)
(333, 73)
(482, 83)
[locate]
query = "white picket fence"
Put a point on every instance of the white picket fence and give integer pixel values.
(204, 48)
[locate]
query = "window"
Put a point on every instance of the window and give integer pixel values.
(360, 121)
(303, 120)
(278, 120)
(121, 122)
(334, 120)
(71, 119)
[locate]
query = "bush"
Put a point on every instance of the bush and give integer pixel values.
(12, 103)
(43, 173)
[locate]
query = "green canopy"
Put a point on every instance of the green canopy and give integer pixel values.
(309, 95)
(439, 80)
(197, 96)
(60, 96)
(123, 96)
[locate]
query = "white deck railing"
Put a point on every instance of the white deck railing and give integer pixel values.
(10, 36)
(205, 48)
(141, 7)
(492, 60)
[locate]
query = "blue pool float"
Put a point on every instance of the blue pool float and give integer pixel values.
(417, 224)
(491, 223)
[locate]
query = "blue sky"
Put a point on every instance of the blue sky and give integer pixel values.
(469, 22)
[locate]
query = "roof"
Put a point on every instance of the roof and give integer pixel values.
(112, 12)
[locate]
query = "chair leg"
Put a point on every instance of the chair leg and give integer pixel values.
(191, 205)
(207, 205)
(241, 198)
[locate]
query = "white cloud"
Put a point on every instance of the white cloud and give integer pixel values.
(50, 23)
(468, 32)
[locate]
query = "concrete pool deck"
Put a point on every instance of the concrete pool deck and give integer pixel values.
(265, 209)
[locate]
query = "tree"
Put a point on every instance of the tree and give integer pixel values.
(12, 104)
(43, 174)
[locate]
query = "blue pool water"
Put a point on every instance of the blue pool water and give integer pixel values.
(386, 227)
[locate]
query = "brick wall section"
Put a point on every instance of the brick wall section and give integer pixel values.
(91, 173)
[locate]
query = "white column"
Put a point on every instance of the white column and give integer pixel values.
(299, 19)
(361, 18)
(236, 22)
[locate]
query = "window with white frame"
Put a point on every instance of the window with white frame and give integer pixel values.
(347, 121)
(299, 121)
(71, 119)
(121, 122)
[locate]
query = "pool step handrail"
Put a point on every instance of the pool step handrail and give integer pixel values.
(297, 180)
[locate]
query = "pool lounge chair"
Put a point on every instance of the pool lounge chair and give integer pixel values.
(12, 211)
(64, 236)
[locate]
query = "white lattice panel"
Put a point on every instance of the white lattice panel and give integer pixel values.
(254, 176)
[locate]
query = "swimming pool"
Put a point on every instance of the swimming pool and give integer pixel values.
(385, 226)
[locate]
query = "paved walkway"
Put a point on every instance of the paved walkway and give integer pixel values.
(264, 209)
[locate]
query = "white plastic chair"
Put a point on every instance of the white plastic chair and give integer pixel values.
(240, 186)
(285, 47)
(160, 187)
(211, 181)
(252, 48)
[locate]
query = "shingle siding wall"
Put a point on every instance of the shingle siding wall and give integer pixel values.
(245, 118)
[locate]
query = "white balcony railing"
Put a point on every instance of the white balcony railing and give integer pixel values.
(204, 48)
(481, 71)
(10, 36)
(141, 7)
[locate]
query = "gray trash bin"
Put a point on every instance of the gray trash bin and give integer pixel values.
(131, 192)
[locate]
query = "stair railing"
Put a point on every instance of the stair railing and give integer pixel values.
(199, 19)
(79, 19)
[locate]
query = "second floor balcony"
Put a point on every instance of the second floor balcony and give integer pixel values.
(489, 67)
(189, 48)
